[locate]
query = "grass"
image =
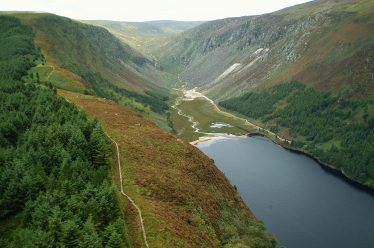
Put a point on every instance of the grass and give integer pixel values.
(58, 78)
(74, 50)
(160, 120)
(186, 201)
(205, 113)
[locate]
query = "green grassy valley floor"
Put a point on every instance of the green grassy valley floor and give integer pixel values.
(205, 113)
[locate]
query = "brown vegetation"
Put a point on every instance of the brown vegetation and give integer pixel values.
(178, 188)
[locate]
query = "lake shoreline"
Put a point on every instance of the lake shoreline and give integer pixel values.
(284, 143)
(287, 189)
(327, 167)
(331, 169)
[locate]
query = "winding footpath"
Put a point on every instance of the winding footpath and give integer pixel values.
(50, 73)
(127, 196)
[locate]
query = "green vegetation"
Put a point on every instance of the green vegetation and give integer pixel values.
(81, 51)
(239, 231)
(324, 44)
(54, 185)
(47, 74)
(205, 113)
(139, 102)
(333, 128)
(90, 60)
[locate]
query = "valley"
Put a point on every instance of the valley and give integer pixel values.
(172, 133)
(206, 120)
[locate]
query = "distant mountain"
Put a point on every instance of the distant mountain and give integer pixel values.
(144, 35)
(324, 43)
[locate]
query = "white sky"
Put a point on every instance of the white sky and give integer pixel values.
(143, 10)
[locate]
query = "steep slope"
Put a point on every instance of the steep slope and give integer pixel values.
(324, 43)
(334, 129)
(55, 188)
(186, 201)
(144, 36)
(55, 184)
(305, 73)
(89, 59)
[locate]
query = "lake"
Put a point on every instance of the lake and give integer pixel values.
(302, 204)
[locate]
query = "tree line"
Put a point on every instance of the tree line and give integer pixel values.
(335, 129)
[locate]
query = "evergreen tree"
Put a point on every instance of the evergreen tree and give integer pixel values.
(90, 238)
(70, 234)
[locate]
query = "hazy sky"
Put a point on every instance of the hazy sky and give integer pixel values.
(142, 10)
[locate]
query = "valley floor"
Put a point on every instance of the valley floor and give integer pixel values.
(195, 118)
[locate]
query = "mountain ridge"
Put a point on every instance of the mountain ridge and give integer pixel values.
(205, 52)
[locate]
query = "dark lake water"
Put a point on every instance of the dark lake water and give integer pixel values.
(300, 203)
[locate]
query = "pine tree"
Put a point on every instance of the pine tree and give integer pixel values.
(99, 149)
(70, 234)
(115, 240)
(90, 238)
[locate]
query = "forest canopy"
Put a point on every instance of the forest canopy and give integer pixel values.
(335, 129)
(55, 190)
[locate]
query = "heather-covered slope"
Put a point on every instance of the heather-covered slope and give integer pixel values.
(186, 201)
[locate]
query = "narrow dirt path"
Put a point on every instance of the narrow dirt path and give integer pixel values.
(127, 196)
(49, 74)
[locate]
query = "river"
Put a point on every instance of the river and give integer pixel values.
(302, 204)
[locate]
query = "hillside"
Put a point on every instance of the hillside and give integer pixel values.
(186, 201)
(302, 74)
(55, 183)
(59, 181)
(305, 73)
(325, 44)
(90, 60)
(144, 36)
